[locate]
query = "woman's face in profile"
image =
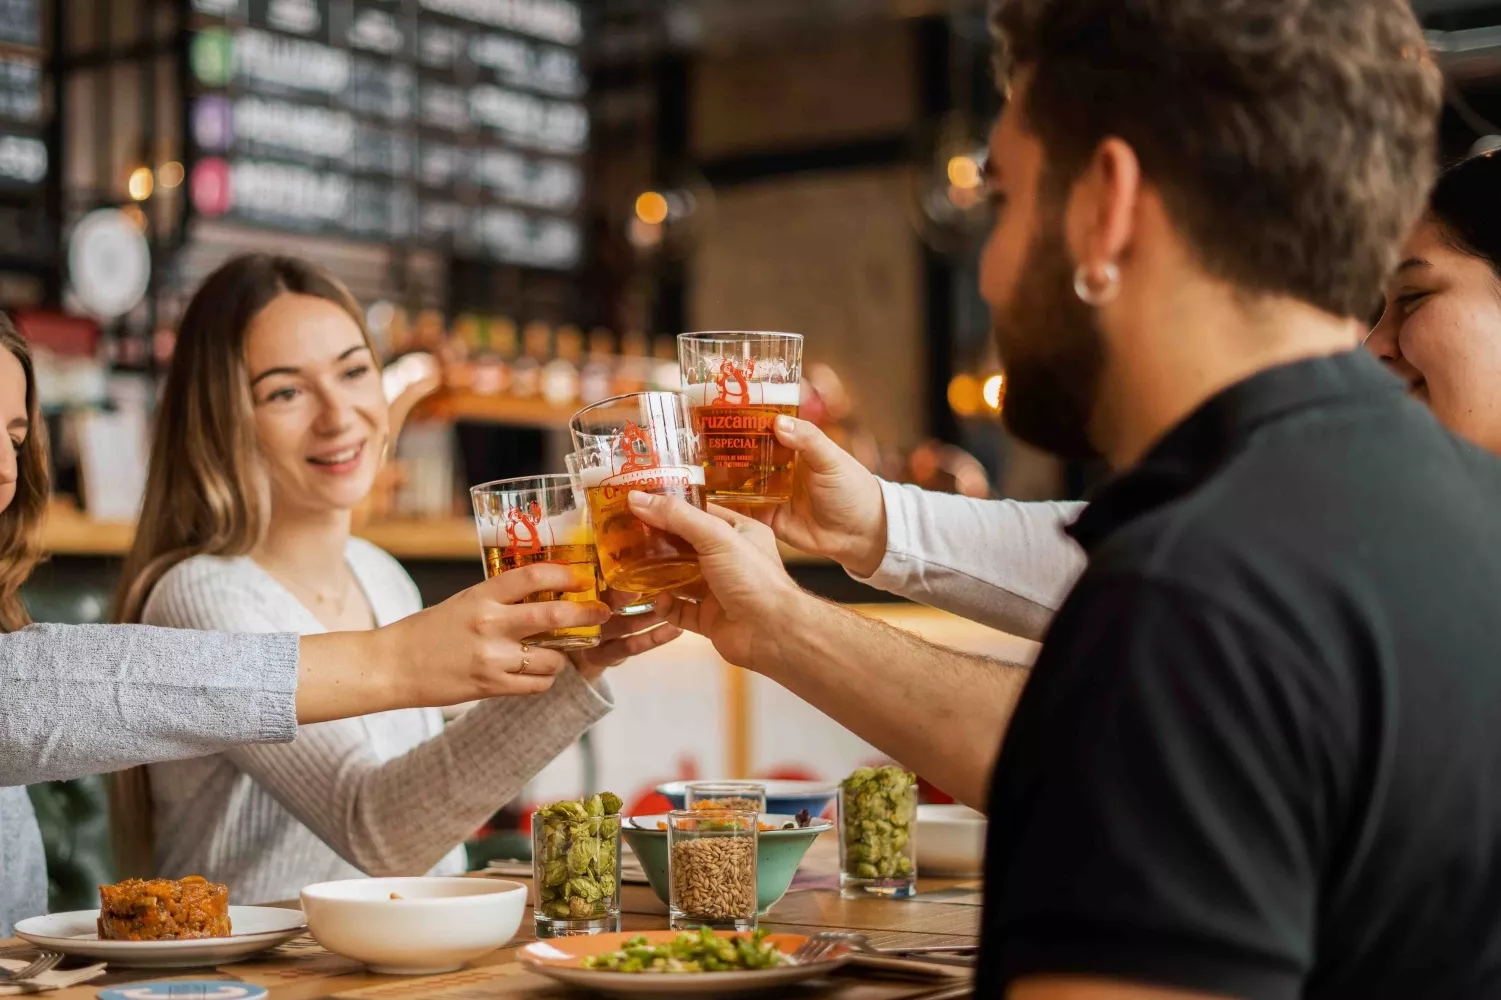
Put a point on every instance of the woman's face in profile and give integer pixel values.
(1441, 334)
(13, 415)
(321, 417)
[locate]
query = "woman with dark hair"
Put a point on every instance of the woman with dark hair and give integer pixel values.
(91, 698)
(1441, 329)
(270, 431)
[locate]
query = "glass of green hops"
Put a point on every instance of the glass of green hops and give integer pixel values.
(877, 824)
(576, 866)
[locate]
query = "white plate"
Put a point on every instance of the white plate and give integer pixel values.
(559, 959)
(255, 928)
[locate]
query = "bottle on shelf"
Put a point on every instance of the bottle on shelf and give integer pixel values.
(526, 375)
(665, 372)
(560, 376)
(492, 369)
(459, 350)
(598, 373)
(430, 331)
(400, 335)
(633, 370)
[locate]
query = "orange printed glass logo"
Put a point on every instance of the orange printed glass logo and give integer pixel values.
(521, 527)
(733, 382)
(639, 453)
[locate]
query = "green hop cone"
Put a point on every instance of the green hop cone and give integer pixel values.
(611, 803)
(583, 851)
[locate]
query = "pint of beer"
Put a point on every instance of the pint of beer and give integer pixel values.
(737, 383)
(625, 605)
(538, 519)
(641, 441)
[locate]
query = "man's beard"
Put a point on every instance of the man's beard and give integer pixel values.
(1052, 351)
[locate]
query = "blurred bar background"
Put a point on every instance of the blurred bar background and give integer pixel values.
(538, 194)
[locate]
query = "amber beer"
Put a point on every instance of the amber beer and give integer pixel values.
(538, 519)
(633, 556)
(580, 559)
(737, 384)
(743, 460)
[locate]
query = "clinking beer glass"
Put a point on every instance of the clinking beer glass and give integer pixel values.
(643, 603)
(539, 519)
(737, 383)
(642, 441)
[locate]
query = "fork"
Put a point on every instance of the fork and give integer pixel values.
(45, 961)
(819, 945)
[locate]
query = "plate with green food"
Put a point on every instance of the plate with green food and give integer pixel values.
(699, 963)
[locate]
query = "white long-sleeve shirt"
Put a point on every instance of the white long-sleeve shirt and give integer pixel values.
(1003, 563)
(389, 794)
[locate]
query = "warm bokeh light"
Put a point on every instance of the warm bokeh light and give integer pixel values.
(995, 391)
(964, 199)
(169, 174)
(644, 235)
(965, 396)
(964, 172)
(651, 208)
(140, 184)
(135, 215)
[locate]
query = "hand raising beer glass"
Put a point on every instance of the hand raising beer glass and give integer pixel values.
(737, 384)
(539, 519)
(642, 441)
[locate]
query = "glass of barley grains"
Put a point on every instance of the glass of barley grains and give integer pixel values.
(711, 868)
(744, 795)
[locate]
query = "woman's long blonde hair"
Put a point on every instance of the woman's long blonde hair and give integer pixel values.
(21, 522)
(205, 487)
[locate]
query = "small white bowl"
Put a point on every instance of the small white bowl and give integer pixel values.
(436, 925)
(950, 840)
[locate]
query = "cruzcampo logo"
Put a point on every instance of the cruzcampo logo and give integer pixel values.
(521, 528)
(734, 382)
(212, 56)
(637, 446)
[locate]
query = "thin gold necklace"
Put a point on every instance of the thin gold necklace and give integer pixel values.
(322, 599)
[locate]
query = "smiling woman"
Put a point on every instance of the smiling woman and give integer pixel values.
(270, 431)
(1441, 328)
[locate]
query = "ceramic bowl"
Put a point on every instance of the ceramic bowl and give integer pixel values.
(777, 857)
(432, 924)
(950, 840)
(790, 797)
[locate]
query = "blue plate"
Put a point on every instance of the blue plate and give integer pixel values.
(790, 797)
(186, 989)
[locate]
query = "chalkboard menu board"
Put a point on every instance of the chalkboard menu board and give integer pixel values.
(21, 22)
(455, 124)
(23, 153)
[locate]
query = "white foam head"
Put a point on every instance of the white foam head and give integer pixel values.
(764, 393)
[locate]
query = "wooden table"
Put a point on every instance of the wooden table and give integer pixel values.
(302, 970)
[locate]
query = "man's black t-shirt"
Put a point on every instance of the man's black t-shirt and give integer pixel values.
(1260, 753)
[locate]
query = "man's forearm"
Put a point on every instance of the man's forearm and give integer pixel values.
(939, 711)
